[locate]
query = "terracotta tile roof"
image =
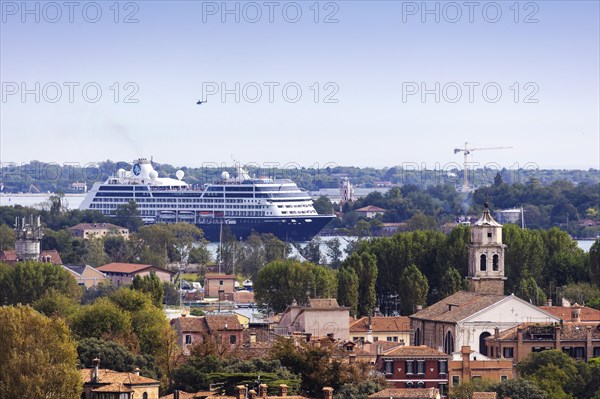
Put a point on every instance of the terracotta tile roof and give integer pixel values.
(243, 297)
(370, 208)
(185, 395)
(219, 276)
(106, 376)
(327, 303)
(191, 324)
(413, 393)
(569, 331)
(96, 226)
(421, 351)
(10, 256)
(564, 313)
(463, 304)
(218, 322)
(128, 268)
(381, 324)
(115, 387)
(483, 395)
(123, 267)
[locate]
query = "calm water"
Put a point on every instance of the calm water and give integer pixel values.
(73, 201)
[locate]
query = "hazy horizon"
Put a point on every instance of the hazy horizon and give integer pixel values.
(368, 84)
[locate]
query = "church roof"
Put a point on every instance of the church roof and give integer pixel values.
(457, 307)
(486, 219)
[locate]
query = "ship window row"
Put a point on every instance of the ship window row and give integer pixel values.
(244, 213)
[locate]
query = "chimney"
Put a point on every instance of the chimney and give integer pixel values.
(240, 392)
(262, 391)
(576, 313)
(496, 332)
(419, 307)
(283, 390)
(176, 394)
(549, 302)
(252, 394)
(327, 393)
(96, 370)
(137, 371)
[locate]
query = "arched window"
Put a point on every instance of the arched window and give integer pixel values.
(145, 395)
(417, 337)
(495, 262)
(420, 384)
(482, 347)
(482, 263)
(449, 343)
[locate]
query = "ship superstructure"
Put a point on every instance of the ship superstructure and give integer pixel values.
(241, 204)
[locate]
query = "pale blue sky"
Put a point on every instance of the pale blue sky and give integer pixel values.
(372, 56)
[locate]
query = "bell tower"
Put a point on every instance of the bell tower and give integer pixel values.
(486, 256)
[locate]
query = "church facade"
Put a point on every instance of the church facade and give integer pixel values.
(467, 318)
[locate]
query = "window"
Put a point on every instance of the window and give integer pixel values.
(410, 367)
(443, 366)
(482, 263)
(220, 282)
(449, 343)
(443, 387)
(188, 339)
(503, 378)
(232, 339)
(410, 384)
(420, 366)
(489, 235)
(495, 262)
(145, 395)
(420, 384)
(596, 351)
(455, 380)
(417, 337)
(389, 367)
(482, 346)
(508, 352)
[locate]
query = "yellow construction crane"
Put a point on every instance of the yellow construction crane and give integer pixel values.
(466, 151)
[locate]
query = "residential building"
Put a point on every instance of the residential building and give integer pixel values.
(580, 340)
(407, 393)
(124, 273)
(108, 384)
(569, 313)
(370, 211)
(381, 328)
(468, 364)
(11, 257)
(365, 352)
(467, 318)
(98, 230)
(87, 276)
(322, 317)
(223, 329)
(415, 367)
(215, 284)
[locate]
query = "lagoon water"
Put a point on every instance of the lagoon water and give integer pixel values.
(73, 201)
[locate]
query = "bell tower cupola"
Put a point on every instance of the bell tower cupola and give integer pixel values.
(486, 256)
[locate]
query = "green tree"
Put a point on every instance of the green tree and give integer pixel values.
(348, 289)
(413, 289)
(117, 248)
(38, 356)
(114, 357)
(595, 262)
(529, 291)
(451, 282)
(465, 389)
(281, 282)
(518, 388)
(26, 282)
(54, 303)
(334, 252)
(95, 255)
(7, 237)
(102, 319)
(553, 371)
(128, 216)
(152, 285)
(312, 251)
(323, 205)
(365, 268)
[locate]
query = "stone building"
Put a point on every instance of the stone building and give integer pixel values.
(320, 318)
(381, 328)
(108, 384)
(467, 318)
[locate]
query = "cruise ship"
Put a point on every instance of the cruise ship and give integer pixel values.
(240, 204)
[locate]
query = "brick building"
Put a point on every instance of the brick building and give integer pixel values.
(468, 364)
(381, 328)
(124, 273)
(415, 367)
(320, 318)
(223, 329)
(217, 285)
(108, 384)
